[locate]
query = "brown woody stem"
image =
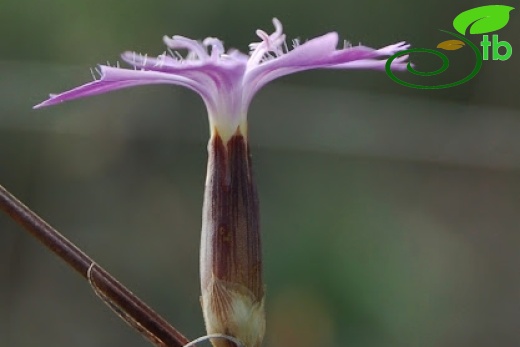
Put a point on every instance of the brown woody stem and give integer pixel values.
(121, 300)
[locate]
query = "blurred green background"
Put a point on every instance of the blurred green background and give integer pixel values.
(390, 215)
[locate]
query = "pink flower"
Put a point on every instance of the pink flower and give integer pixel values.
(231, 258)
(227, 81)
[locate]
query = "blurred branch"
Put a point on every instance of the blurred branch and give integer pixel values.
(130, 308)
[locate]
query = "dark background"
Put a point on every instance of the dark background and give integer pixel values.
(390, 215)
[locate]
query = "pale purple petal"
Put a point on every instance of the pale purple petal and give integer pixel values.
(349, 54)
(398, 64)
(113, 78)
(302, 57)
(217, 76)
(165, 63)
(193, 46)
(308, 53)
(140, 60)
(221, 76)
(321, 53)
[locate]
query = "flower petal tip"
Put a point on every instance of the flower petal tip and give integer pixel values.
(49, 102)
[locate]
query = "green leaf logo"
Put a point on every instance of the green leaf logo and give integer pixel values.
(482, 20)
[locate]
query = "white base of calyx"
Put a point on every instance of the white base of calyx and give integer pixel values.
(231, 309)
